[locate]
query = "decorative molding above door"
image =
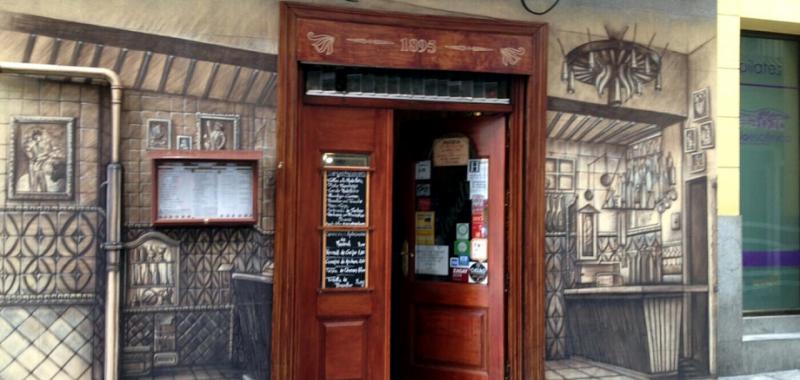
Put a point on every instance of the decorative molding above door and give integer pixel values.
(415, 42)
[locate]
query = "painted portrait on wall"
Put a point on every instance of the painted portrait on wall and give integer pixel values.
(701, 104)
(697, 162)
(217, 132)
(159, 134)
(690, 140)
(40, 161)
(707, 135)
(184, 142)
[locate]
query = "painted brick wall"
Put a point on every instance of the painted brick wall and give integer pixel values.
(50, 320)
(256, 128)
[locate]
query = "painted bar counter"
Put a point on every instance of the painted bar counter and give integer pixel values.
(635, 327)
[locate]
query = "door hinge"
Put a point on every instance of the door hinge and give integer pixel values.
(506, 281)
(508, 371)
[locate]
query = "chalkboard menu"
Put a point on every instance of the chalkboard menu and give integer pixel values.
(345, 259)
(345, 220)
(346, 197)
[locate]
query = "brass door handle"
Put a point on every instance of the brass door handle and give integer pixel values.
(404, 255)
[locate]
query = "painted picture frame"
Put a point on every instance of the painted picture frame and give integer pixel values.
(159, 134)
(183, 142)
(697, 162)
(690, 140)
(41, 158)
(706, 135)
(217, 131)
(701, 105)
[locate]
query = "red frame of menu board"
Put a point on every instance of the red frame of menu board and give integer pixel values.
(157, 158)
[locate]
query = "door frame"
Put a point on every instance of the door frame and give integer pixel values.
(526, 137)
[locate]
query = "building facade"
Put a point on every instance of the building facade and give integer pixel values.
(639, 268)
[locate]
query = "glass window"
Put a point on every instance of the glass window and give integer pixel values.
(770, 173)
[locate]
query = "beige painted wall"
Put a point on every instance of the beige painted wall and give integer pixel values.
(778, 16)
(215, 21)
(256, 129)
(253, 24)
(29, 97)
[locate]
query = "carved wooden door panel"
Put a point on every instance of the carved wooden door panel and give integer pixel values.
(454, 330)
(344, 233)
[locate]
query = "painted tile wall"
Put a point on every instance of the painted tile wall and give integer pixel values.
(51, 315)
(50, 259)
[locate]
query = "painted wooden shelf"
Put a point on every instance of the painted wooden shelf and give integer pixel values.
(637, 289)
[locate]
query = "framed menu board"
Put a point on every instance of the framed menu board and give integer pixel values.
(345, 220)
(346, 197)
(205, 187)
(345, 259)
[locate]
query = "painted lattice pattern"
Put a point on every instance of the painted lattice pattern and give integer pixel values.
(204, 314)
(137, 329)
(643, 256)
(46, 342)
(555, 249)
(209, 256)
(559, 262)
(206, 269)
(48, 265)
(609, 248)
(98, 318)
(673, 258)
(203, 337)
(48, 252)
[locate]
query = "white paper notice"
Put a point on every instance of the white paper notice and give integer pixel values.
(423, 171)
(478, 177)
(235, 190)
(479, 250)
(174, 203)
(200, 190)
(478, 170)
(432, 260)
(478, 190)
(205, 191)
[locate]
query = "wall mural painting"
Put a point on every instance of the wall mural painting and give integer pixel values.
(627, 283)
(184, 142)
(40, 160)
(627, 199)
(614, 66)
(194, 298)
(217, 132)
(159, 134)
(195, 302)
(51, 321)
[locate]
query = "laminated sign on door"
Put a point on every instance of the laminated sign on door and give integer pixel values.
(478, 177)
(432, 260)
(424, 227)
(423, 170)
(451, 151)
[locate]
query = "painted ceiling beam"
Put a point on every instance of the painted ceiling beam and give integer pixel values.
(619, 113)
(69, 30)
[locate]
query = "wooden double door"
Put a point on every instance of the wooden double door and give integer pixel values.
(357, 205)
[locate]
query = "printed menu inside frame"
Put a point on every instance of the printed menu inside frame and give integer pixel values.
(202, 188)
